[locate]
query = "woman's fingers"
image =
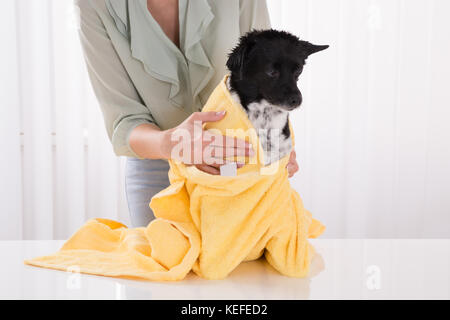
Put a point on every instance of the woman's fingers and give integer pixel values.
(213, 161)
(292, 166)
(213, 168)
(292, 169)
(218, 161)
(223, 152)
(233, 152)
(227, 144)
(208, 169)
(214, 148)
(226, 141)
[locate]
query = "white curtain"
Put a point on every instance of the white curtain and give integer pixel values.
(57, 165)
(372, 136)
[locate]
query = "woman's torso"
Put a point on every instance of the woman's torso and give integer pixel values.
(172, 82)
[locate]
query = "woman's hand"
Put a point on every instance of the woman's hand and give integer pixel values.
(192, 145)
(292, 165)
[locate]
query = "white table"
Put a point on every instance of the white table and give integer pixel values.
(347, 269)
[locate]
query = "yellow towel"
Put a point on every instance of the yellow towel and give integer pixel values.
(205, 223)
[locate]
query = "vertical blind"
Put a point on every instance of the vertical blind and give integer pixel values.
(372, 137)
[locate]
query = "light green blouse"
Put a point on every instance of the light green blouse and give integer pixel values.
(140, 76)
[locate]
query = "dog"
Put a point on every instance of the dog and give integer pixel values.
(264, 70)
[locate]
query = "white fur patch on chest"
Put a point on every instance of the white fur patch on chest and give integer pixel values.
(269, 122)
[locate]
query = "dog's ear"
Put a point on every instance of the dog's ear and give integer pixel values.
(237, 57)
(309, 48)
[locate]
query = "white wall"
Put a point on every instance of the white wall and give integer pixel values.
(372, 136)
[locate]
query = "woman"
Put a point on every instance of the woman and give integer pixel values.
(152, 65)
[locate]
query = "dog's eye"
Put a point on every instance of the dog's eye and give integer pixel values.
(273, 73)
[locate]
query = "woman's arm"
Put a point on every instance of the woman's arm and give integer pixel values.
(148, 141)
(119, 101)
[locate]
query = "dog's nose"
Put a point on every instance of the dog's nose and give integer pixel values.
(294, 101)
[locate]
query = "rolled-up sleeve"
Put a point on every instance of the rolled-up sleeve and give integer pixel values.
(253, 15)
(119, 101)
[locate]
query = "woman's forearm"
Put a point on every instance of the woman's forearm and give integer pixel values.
(150, 142)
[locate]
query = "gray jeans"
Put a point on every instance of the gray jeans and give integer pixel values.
(144, 179)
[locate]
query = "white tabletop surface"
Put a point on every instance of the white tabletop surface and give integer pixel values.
(345, 269)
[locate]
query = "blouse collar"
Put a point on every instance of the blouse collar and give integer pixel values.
(188, 69)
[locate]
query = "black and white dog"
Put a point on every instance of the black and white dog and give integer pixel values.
(265, 67)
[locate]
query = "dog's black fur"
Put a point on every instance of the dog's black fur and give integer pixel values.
(265, 67)
(266, 64)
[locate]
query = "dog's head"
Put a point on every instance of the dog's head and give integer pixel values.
(266, 64)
